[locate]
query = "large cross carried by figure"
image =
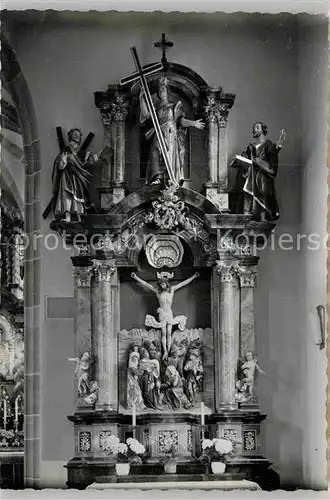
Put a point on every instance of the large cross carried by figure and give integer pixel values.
(141, 74)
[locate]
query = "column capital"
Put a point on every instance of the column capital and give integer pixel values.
(83, 276)
(114, 110)
(104, 269)
(227, 271)
(216, 112)
(247, 276)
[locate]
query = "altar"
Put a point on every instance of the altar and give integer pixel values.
(164, 272)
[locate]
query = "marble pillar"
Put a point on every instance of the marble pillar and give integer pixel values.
(106, 324)
(83, 332)
(247, 277)
(225, 324)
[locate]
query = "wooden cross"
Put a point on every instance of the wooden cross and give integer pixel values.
(164, 45)
(141, 74)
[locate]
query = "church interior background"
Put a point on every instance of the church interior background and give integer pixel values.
(153, 300)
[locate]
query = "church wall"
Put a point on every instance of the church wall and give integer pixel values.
(313, 52)
(64, 64)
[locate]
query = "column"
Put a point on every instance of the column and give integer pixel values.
(211, 113)
(114, 109)
(247, 277)
(225, 324)
(83, 332)
(222, 173)
(106, 323)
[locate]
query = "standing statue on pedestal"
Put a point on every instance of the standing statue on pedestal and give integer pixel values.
(173, 124)
(246, 382)
(82, 373)
(165, 294)
(257, 170)
(70, 179)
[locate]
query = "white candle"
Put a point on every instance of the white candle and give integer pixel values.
(16, 410)
(202, 415)
(134, 416)
(4, 413)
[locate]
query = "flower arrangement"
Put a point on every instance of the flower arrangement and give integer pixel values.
(169, 454)
(11, 439)
(216, 449)
(128, 452)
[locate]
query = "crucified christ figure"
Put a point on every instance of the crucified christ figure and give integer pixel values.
(165, 294)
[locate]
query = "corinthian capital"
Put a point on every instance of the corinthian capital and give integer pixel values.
(216, 111)
(114, 111)
(83, 276)
(104, 269)
(226, 271)
(247, 276)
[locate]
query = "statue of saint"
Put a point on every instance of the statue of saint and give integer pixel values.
(193, 370)
(244, 386)
(173, 124)
(257, 170)
(165, 294)
(71, 179)
(149, 371)
(82, 373)
(134, 394)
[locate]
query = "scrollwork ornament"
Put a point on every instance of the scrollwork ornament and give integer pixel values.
(83, 276)
(104, 269)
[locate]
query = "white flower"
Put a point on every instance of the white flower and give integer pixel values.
(207, 443)
(135, 446)
(223, 446)
(122, 448)
(113, 443)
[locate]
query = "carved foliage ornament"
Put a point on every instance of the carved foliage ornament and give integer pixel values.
(168, 211)
(233, 246)
(216, 112)
(247, 276)
(226, 272)
(83, 276)
(114, 111)
(104, 269)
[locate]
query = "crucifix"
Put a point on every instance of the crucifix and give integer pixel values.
(164, 45)
(141, 74)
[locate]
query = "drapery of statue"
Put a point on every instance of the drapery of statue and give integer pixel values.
(174, 360)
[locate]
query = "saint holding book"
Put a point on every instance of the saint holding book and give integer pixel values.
(257, 170)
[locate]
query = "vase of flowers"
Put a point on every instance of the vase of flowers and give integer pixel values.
(127, 454)
(169, 460)
(215, 453)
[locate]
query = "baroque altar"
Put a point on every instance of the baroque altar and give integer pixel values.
(164, 280)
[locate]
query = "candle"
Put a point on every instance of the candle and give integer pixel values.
(16, 410)
(202, 415)
(4, 413)
(134, 416)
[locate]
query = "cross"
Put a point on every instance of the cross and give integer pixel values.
(141, 74)
(164, 45)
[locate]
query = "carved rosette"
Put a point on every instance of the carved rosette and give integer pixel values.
(227, 272)
(104, 269)
(114, 111)
(83, 276)
(247, 276)
(216, 112)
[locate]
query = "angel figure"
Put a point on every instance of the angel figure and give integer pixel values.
(82, 373)
(245, 385)
(173, 124)
(165, 293)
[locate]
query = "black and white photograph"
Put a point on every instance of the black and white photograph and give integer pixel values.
(163, 243)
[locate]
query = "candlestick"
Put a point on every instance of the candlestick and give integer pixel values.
(134, 416)
(202, 415)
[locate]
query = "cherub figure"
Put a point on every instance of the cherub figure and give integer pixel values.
(92, 397)
(82, 373)
(245, 385)
(165, 293)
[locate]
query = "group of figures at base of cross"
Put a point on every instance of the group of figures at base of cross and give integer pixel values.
(155, 383)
